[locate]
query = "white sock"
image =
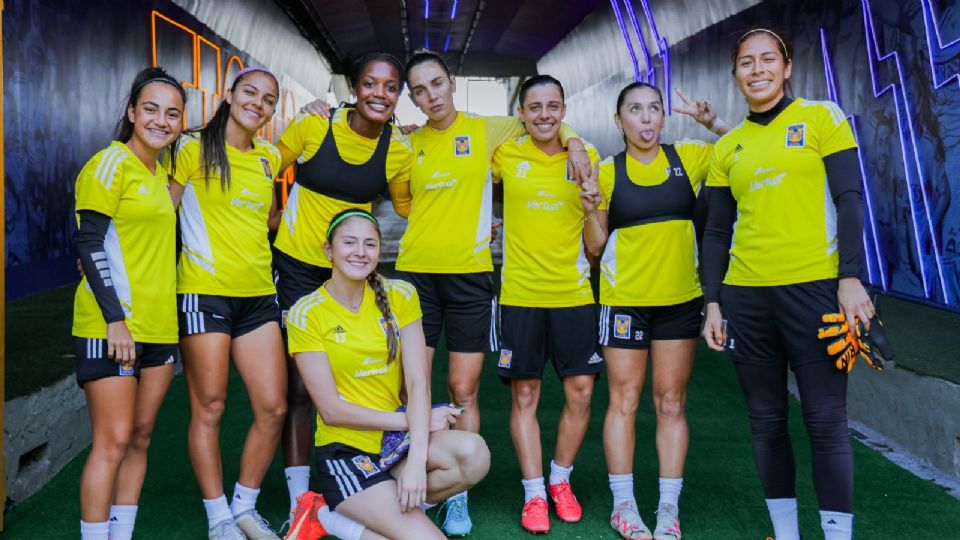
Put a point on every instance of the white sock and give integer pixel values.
(783, 514)
(461, 494)
(217, 510)
(621, 485)
(298, 482)
(94, 531)
(122, 518)
(244, 499)
(670, 490)
(533, 488)
(559, 473)
(339, 525)
(836, 525)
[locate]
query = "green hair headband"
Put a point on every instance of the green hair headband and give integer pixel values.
(349, 214)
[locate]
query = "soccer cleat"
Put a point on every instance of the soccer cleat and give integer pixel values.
(535, 518)
(254, 527)
(226, 530)
(668, 523)
(306, 524)
(564, 502)
(457, 520)
(625, 519)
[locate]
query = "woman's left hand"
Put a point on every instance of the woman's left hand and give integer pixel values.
(855, 302)
(412, 486)
(578, 160)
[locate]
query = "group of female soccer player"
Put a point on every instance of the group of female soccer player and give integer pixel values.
(781, 250)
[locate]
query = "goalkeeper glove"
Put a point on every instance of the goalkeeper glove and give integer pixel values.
(874, 347)
(846, 348)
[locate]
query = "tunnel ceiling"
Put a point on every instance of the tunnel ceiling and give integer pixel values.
(483, 37)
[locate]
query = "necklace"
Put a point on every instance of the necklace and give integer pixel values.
(352, 307)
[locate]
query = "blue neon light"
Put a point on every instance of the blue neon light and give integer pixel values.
(626, 38)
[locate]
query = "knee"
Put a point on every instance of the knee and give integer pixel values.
(464, 393)
(473, 456)
(142, 432)
(670, 406)
(526, 397)
(625, 399)
(112, 445)
(210, 410)
(579, 396)
(827, 427)
(272, 412)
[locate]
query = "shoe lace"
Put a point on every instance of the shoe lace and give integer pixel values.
(454, 508)
(260, 522)
(562, 494)
(666, 518)
(536, 507)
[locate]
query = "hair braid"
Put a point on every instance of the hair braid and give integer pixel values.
(390, 326)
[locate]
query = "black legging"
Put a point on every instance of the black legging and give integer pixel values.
(823, 398)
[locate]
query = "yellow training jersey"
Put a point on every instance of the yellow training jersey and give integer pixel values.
(544, 264)
(307, 213)
(448, 229)
(225, 247)
(652, 264)
(356, 347)
(786, 222)
(140, 245)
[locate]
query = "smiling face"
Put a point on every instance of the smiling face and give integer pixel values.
(641, 118)
(157, 117)
(377, 89)
(760, 71)
(431, 89)
(253, 100)
(354, 248)
(542, 112)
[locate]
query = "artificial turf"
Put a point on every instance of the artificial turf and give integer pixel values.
(721, 497)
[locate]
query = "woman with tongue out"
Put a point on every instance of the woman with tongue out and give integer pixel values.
(640, 218)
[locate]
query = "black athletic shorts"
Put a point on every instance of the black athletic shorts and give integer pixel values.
(233, 315)
(93, 362)
(531, 335)
(462, 304)
(295, 279)
(343, 471)
(764, 325)
(634, 327)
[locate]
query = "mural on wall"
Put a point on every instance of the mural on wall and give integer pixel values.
(64, 91)
(894, 66)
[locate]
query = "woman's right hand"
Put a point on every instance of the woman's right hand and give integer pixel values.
(317, 106)
(120, 345)
(713, 327)
(442, 418)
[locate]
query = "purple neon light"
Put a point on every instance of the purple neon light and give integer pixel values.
(426, 26)
(899, 93)
(626, 39)
(664, 49)
(871, 219)
(650, 76)
(453, 15)
(453, 12)
(930, 21)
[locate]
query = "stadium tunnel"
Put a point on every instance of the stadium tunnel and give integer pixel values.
(892, 65)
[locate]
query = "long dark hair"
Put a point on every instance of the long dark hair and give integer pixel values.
(123, 131)
(374, 279)
(213, 136)
(622, 96)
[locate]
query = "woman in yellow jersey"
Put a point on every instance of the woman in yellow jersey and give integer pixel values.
(124, 313)
(358, 341)
(546, 302)
(445, 250)
(344, 161)
(788, 175)
(224, 182)
(641, 221)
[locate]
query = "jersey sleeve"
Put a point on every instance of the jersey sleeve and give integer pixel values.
(500, 129)
(695, 156)
(400, 157)
(496, 165)
(833, 131)
(404, 301)
(605, 183)
(188, 159)
(717, 175)
(304, 328)
(297, 134)
(592, 152)
(99, 186)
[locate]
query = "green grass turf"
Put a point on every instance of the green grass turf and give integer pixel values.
(39, 348)
(721, 498)
(921, 337)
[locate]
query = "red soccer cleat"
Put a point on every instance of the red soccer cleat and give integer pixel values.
(565, 503)
(535, 518)
(306, 525)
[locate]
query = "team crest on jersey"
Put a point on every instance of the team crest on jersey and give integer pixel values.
(621, 326)
(267, 169)
(506, 358)
(365, 465)
(393, 323)
(795, 135)
(283, 318)
(125, 371)
(339, 334)
(461, 145)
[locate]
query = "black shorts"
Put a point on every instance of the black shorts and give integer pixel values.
(765, 325)
(635, 327)
(93, 362)
(295, 279)
(462, 304)
(233, 315)
(343, 471)
(531, 335)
